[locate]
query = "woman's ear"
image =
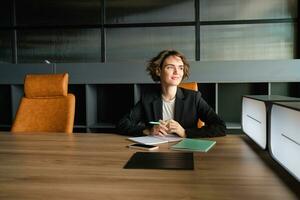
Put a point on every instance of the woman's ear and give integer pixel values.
(158, 72)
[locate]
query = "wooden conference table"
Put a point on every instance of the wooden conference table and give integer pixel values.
(90, 166)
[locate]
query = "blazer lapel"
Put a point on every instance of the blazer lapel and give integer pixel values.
(157, 108)
(179, 105)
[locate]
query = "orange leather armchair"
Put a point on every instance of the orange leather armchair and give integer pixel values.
(46, 106)
(192, 86)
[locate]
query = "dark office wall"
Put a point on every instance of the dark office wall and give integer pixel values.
(125, 30)
(104, 33)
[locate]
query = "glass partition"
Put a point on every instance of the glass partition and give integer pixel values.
(59, 45)
(66, 12)
(141, 11)
(219, 10)
(248, 41)
(144, 43)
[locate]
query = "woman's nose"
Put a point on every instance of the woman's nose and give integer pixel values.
(175, 70)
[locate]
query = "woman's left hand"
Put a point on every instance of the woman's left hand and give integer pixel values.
(174, 127)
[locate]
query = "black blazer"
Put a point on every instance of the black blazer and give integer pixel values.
(189, 107)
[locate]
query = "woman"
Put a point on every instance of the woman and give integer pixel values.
(177, 110)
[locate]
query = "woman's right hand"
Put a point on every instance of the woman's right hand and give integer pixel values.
(160, 129)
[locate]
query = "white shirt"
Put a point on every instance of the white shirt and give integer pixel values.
(168, 109)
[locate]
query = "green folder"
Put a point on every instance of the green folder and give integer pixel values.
(194, 145)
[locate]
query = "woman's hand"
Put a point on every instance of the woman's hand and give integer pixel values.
(160, 129)
(166, 127)
(174, 127)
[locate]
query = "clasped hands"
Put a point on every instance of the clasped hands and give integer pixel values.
(167, 127)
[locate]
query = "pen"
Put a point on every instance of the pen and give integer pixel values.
(155, 123)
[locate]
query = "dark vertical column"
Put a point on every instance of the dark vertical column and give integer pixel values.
(14, 34)
(103, 38)
(297, 32)
(197, 29)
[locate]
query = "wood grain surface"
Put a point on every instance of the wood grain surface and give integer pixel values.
(90, 166)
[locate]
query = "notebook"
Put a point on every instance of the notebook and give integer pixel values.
(161, 160)
(194, 145)
(153, 140)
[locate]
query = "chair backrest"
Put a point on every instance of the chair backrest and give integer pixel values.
(46, 106)
(189, 86)
(192, 86)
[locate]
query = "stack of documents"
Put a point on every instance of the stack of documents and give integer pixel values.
(153, 140)
(194, 145)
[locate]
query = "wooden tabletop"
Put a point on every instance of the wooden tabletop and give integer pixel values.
(90, 166)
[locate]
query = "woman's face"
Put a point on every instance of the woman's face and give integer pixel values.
(172, 71)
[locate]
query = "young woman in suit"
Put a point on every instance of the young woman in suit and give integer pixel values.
(177, 110)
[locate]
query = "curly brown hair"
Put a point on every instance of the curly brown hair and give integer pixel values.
(156, 64)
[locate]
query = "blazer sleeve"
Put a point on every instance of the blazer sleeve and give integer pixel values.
(214, 125)
(133, 122)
